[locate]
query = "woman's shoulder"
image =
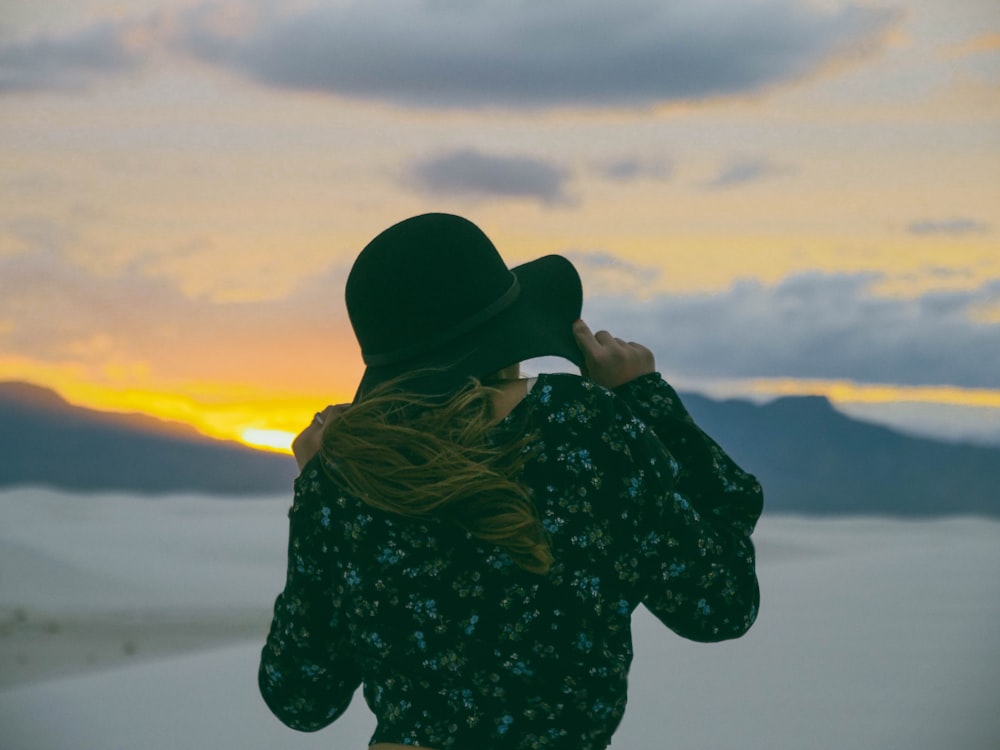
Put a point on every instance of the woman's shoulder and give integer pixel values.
(565, 386)
(317, 487)
(561, 396)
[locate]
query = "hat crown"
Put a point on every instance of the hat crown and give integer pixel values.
(421, 282)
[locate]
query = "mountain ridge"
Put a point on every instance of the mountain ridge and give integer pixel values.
(809, 457)
(47, 441)
(812, 458)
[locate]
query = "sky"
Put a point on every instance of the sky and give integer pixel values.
(779, 197)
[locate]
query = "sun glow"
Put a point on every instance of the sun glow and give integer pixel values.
(257, 417)
(276, 440)
(262, 418)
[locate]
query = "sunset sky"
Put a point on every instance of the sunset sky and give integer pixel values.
(777, 196)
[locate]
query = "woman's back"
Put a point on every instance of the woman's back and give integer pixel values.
(459, 647)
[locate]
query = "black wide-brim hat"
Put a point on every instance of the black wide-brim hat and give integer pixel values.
(432, 297)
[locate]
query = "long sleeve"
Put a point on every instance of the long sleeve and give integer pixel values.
(698, 556)
(307, 672)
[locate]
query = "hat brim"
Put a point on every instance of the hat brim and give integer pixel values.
(538, 324)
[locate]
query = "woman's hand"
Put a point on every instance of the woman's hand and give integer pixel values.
(308, 442)
(610, 361)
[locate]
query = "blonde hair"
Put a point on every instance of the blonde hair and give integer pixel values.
(431, 458)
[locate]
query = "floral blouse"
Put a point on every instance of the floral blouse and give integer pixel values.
(459, 648)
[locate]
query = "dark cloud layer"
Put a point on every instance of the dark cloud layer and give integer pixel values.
(515, 53)
(480, 53)
(816, 326)
(471, 174)
(68, 62)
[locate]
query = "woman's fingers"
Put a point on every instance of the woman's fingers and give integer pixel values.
(611, 361)
(636, 345)
(604, 338)
(323, 417)
(593, 345)
(588, 343)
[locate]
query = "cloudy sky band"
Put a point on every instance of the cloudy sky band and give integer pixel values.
(635, 53)
(783, 191)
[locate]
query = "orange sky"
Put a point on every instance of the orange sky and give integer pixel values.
(178, 211)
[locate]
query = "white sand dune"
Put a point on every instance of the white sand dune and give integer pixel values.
(129, 623)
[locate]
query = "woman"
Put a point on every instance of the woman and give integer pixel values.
(469, 546)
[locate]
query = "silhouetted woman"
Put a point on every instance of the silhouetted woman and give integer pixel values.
(470, 546)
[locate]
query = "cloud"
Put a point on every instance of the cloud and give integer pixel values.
(25, 233)
(605, 274)
(946, 226)
(740, 172)
(521, 54)
(60, 313)
(603, 261)
(69, 62)
(814, 325)
(977, 45)
(471, 174)
(631, 168)
(828, 326)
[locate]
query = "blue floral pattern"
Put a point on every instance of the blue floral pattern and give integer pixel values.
(455, 646)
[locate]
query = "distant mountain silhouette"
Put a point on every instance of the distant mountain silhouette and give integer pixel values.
(46, 441)
(809, 457)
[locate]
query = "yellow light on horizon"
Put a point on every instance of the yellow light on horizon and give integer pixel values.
(262, 418)
(878, 393)
(257, 417)
(276, 440)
